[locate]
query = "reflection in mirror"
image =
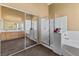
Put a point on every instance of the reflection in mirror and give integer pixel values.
(28, 24)
(17, 30)
(1, 28)
(30, 29)
(13, 37)
(34, 27)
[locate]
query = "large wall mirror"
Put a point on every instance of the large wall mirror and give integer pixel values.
(18, 30)
(13, 35)
(31, 29)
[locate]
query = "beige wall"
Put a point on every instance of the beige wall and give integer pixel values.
(9, 14)
(0, 12)
(51, 11)
(40, 9)
(69, 10)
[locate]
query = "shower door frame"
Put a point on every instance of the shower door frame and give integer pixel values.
(48, 31)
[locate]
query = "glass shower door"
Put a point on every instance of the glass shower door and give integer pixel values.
(45, 30)
(31, 26)
(27, 26)
(15, 38)
(30, 29)
(34, 27)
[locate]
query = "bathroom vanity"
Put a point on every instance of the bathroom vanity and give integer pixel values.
(10, 35)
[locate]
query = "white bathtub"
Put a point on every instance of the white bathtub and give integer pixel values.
(70, 46)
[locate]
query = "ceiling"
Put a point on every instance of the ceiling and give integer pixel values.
(38, 9)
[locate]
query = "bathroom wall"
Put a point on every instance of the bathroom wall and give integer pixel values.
(39, 9)
(11, 14)
(71, 10)
(0, 12)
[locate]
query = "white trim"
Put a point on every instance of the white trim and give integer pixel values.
(22, 50)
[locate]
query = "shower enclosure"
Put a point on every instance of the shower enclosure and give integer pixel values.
(31, 29)
(46, 31)
(48, 34)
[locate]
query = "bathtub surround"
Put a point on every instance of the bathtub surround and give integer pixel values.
(70, 43)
